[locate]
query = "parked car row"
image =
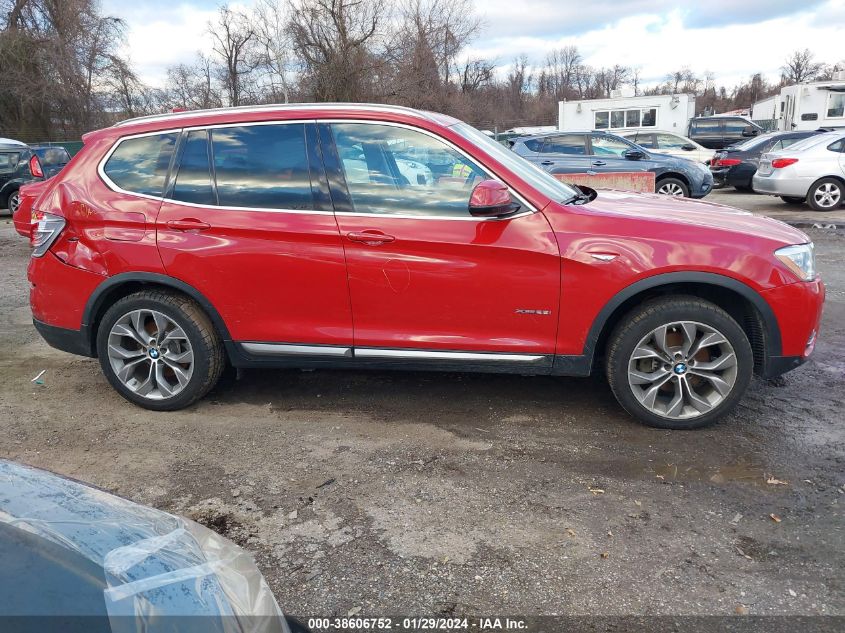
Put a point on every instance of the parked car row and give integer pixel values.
(600, 152)
(21, 164)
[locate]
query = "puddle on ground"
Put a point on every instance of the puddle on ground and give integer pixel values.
(747, 473)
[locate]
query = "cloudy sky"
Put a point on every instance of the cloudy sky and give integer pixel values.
(731, 38)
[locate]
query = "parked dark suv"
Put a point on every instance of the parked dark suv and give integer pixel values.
(20, 164)
(600, 152)
(718, 132)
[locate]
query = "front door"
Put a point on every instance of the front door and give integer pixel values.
(248, 222)
(424, 274)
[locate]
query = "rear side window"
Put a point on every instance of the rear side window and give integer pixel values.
(838, 146)
(262, 166)
(8, 161)
(193, 182)
(566, 144)
(52, 156)
(705, 126)
(534, 144)
(140, 165)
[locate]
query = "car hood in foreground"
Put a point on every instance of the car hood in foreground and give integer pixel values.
(695, 213)
(103, 563)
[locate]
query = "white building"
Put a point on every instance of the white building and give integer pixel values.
(805, 106)
(621, 112)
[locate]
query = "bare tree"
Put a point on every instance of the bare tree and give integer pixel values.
(193, 85)
(561, 68)
(800, 67)
(274, 46)
(234, 38)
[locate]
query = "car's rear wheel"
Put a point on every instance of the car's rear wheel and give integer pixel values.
(825, 195)
(672, 187)
(159, 350)
(679, 363)
(14, 201)
(793, 199)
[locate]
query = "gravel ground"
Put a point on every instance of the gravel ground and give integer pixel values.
(413, 493)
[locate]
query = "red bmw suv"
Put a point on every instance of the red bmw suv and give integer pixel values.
(368, 236)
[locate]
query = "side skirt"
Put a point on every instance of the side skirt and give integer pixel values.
(290, 355)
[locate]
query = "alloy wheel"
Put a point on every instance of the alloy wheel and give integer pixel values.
(14, 202)
(150, 354)
(682, 370)
(671, 189)
(827, 195)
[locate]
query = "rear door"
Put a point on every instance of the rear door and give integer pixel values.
(707, 132)
(565, 154)
(247, 221)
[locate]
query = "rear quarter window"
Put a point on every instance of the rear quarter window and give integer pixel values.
(139, 165)
(8, 161)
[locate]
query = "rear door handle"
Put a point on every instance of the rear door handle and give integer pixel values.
(599, 163)
(188, 224)
(370, 238)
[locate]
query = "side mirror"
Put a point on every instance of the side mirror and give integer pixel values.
(750, 131)
(688, 147)
(491, 199)
(634, 154)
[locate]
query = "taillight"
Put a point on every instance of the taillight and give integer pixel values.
(780, 163)
(45, 232)
(727, 162)
(35, 167)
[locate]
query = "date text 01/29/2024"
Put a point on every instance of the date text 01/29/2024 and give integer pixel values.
(416, 624)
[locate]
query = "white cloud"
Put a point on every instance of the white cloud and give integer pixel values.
(731, 39)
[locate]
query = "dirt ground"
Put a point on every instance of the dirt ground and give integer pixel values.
(413, 493)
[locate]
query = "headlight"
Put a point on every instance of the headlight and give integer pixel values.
(800, 259)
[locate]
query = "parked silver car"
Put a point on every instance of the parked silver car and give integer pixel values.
(811, 170)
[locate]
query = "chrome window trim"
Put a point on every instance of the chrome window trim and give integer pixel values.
(529, 208)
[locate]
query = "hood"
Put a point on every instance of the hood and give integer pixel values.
(693, 213)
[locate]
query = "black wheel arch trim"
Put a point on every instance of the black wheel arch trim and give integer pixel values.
(773, 338)
(95, 301)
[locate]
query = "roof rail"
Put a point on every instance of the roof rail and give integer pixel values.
(276, 107)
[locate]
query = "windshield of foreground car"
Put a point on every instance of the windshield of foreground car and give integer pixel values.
(542, 181)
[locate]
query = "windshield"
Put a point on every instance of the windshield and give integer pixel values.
(536, 177)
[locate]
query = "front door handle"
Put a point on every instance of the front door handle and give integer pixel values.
(188, 224)
(370, 237)
(599, 163)
(547, 162)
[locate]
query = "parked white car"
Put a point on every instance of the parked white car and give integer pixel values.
(670, 143)
(811, 171)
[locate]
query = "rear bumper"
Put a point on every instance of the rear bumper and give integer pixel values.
(774, 186)
(70, 341)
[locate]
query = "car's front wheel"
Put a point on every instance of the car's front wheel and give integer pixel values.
(825, 195)
(159, 350)
(678, 363)
(672, 187)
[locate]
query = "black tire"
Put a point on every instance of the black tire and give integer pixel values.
(651, 315)
(793, 199)
(209, 357)
(13, 201)
(672, 182)
(819, 186)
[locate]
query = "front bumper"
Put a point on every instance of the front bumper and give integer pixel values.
(798, 309)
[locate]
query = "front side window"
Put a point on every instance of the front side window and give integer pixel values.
(836, 105)
(670, 141)
(140, 164)
(393, 170)
(735, 126)
(609, 146)
(262, 167)
(571, 144)
(193, 181)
